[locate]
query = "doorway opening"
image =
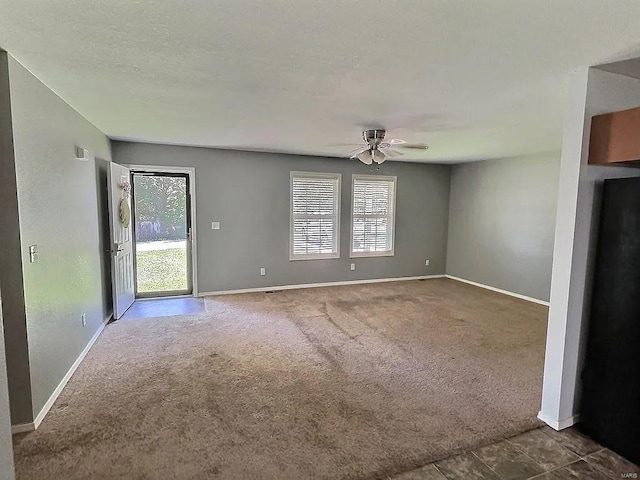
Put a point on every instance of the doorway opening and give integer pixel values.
(163, 233)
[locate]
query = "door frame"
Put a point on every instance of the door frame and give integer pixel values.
(191, 173)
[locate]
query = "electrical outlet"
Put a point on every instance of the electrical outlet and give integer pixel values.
(84, 320)
(215, 225)
(353, 266)
(426, 263)
(263, 271)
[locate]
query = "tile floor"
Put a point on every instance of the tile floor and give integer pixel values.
(543, 454)
(164, 307)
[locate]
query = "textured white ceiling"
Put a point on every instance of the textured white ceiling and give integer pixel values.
(473, 79)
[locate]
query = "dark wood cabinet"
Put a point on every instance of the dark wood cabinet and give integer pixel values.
(610, 405)
(615, 139)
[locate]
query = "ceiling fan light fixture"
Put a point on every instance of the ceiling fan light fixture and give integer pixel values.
(378, 156)
(366, 157)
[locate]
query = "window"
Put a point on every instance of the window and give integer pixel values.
(373, 216)
(315, 216)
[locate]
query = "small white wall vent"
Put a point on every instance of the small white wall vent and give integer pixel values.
(82, 153)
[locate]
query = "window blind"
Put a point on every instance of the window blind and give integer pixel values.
(373, 215)
(314, 215)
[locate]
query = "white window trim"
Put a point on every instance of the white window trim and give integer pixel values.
(319, 256)
(388, 253)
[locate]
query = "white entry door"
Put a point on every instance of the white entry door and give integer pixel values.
(122, 274)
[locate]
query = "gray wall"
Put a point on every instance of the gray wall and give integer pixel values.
(11, 263)
(58, 212)
(6, 450)
(502, 223)
(249, 194)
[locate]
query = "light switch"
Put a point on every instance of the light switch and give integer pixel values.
(215, 225)
(33, 253)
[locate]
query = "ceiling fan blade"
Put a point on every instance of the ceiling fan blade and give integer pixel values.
(395, 141)
(414, 146)
(390, 153)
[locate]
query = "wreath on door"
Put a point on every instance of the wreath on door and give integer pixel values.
(125, 213)
(124, 210)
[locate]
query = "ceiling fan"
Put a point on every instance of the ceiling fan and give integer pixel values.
(376, 149)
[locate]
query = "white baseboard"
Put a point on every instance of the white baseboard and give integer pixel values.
(316, 285)
(499, 290)
(559, 424)
(22, 428)
(28, 427)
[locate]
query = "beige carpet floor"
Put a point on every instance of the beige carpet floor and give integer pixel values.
(354, 382)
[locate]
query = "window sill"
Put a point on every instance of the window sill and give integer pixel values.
(314, 257)
(371, 254)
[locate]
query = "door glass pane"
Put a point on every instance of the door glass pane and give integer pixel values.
(161, 233)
